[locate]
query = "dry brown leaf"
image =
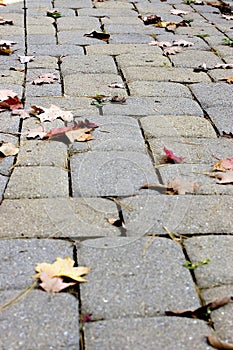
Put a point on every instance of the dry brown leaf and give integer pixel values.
(172, 50)
(183, 43)
(5, 50)
(52, 113)
(37, 132)
(46, 78)
(178, 12)
(4, 21)
(152, 19)
(224, 164)
(79, 135)
(5, 94)
(62, 268)
(161, 44)
(219, 344)
(224, 177)
(53, 284)
(8, 149)
(179, 186)
(98, 35)
(228, 80)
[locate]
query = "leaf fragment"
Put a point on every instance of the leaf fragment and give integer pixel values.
(118, 99)
(172, 50)
(8, 149)
(54, 14)
(37, 132)
(26, 59)
(116, 85)
(178, 12)
(224, 164)
(52, 113)
(9, 101)
(152, 19)
(45, 78)
(179, 186)
(224, 177)
(98, 35)
(218, 343)
(229, 80)
(4, 21)
(171, 157)
(53, 284)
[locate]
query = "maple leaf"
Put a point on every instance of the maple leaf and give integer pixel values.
(8, 149)
(63, 268)
(53, 284)
(45, 78)
(37, 132)
(52, 113)
(224, 177)
(228, 80)
(26, 59)
(170, 157)
(178, 12)
(22, 113)
(224, 164)
(9, 100)
(179, 186)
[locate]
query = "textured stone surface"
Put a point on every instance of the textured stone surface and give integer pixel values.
(153, 88)
(135, 284)
(135, 333)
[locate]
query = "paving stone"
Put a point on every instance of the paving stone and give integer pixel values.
(70, 3)
(100, 174)
(19, 258)
(184, 214)
(195, 173)
(42, 182)
(219, 75)
(76, 37)
(128, 28)
(202, 29)
(103, 12)
(144, 59)
(96, 84)
(11, 77)
(109, 135)
(9, 124)
(11, 30)
(3, 183)
(41, 30)
(55, 50)
(210, 95)
(43, 90)
(6, 165)
(177, 127)
(62, 217)
(222, 318)
(134, 333)
(199, 44)
(134, 285)
(178, 75)
(78, 22)
(221, 116)
(114, 5)
(120, 20)
(56, 316)
(132, 38)
(219, 250)
(36, 152)
(190, 60)
(117, 49)
(43, 62)
(88, 64)
(153, 88)
(193, 150)
(177, 106)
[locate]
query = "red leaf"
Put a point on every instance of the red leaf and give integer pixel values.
(170, 156)
(80, 125)
(11, 103)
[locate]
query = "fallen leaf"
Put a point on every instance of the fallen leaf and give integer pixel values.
(22, 113)
(227, 17)
(17, 69)
(224, 66)
(79, 135)
(228, 80)
(37, 132)
(62, 268)
(7, 42)
(183, 43)
(8, 149)
(98, 35)
(54, 14)
(219, 344)
(228, 135)
(86, 317)
(5, 94)
(118, 99)
(179, 186)
(224, 177)
(46, 78)
(201, 68)
(4, 21)
(115, 222)
(171, 157)
(202, 312)
(224, 164)
(152, 19)
(116, 86)
(5, 50)
(222, 6)
(161, 44)
(53, 284)
(178, 12)
(9, 101)
(26, 59)
(52, 113)
(172, 50)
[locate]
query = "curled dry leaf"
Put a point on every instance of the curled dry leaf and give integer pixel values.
(228, 135)
(63, 268)
(7, 42)
(52, 113)
(219, 344)
(8, 149)
(224, 66)
(172, 50)
(98, 35)
(224, 177)
(9, 101)
(53, 284)
(171, 157)
(229, 80)
(179, 186)
(224, 164)
(46, 78)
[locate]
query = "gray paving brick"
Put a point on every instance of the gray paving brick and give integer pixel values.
(219, 250)
(222, 318)
(190, 60)
(96, 84)
(35, 152)
(184, 214)
(154, 88)
(117, 49)
(55, 50)
(88, 64)
(120, 28)
(135, 333)
(135, 285)
(21, 257)
(78, 22)
(132, 38)
(62, 217)
(109, 135)
(11, 77)
(78, 3)
(144, 60)
(9, 124)
(57, 316)
(94, 12)
(98, 174)
(177, 127)
(37, 182)
(6, 165)
(3, 182)
(177, 106)
(120, 20)
(178, 75)
(221, 116)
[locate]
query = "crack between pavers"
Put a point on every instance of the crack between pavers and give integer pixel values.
(59, 63)
(120, 73)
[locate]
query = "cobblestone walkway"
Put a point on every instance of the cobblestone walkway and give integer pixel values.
(56, 199)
